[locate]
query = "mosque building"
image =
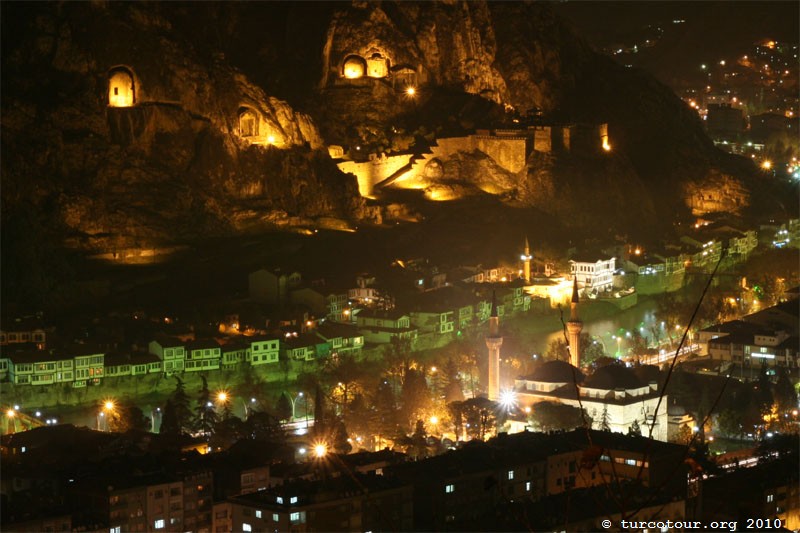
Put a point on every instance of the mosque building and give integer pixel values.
(614, 395)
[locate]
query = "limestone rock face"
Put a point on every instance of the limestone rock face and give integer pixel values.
(521, 55)
(167, 161)
(716, 193)
(582, 192)
(449, 44)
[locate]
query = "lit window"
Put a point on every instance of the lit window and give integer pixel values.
(449, 489)
(275, 517)
(258, 514)
(528, 486)
(510, 474)
(293, 499)
(246, 527)
(279, 499)
(159, 524)
(630, 462)
(117, 529)
(770, 498)
(294, 517)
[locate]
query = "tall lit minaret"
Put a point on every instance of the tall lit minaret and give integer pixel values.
(526, 261)
(493, 342)
(574, 327)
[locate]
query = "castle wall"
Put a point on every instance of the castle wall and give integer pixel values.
(509, 153)
(542, 141)
(368, 173)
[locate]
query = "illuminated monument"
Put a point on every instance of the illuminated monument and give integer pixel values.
(493, 342)
(526, 261)
(574, 327)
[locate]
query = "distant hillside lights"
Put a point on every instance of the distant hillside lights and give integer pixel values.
(121, 87)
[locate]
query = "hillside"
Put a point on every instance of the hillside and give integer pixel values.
(232, 107)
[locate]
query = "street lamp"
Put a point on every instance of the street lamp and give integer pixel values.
(434, 420)
(244, 404)
(508, 399)
(105, 413)
(619, 340)
(320, 450)
(293, 400)
(10, 414)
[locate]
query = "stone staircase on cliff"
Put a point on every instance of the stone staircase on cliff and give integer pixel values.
(413, 171)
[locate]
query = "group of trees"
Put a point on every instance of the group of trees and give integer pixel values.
(732, 408)
(214, 419)
(591, 350)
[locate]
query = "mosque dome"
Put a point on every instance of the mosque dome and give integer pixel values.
(614, 377)
(557, 372)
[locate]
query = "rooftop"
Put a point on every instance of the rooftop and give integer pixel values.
(556, 372)
(614, 377)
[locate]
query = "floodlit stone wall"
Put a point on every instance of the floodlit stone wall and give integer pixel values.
(509, 153)
(368, 173)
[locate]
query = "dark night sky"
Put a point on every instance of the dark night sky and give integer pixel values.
(711, 31)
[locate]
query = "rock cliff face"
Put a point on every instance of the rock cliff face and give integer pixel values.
(173, 164)
(520, 55)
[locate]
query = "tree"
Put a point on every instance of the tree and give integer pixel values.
(227, 432)
(684, 435)
(361, 417)
(557, 350)
(551, 416)
(340, 438)
(605, 420)
(729, 423)
(415, 395)
(283, 408)
(763, 392)
(453, 392)
(169, 420)
(180, 402)
(417, 444)
(784, 393)
(398, 358)
(127, 417)
(205, 415)
(479, 416)
(264, 427)
(386, 415)
(319, 413)
(456, 410)
(672, 312)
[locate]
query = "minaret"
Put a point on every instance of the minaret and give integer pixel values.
(526, 262)
(574, 327)
(493, 342)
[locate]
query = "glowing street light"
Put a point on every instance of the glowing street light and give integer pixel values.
(411, 91)
(320, 450)
(222, 397)
(293, 400)
(508, 399)
(10, 414)
(766, 165)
